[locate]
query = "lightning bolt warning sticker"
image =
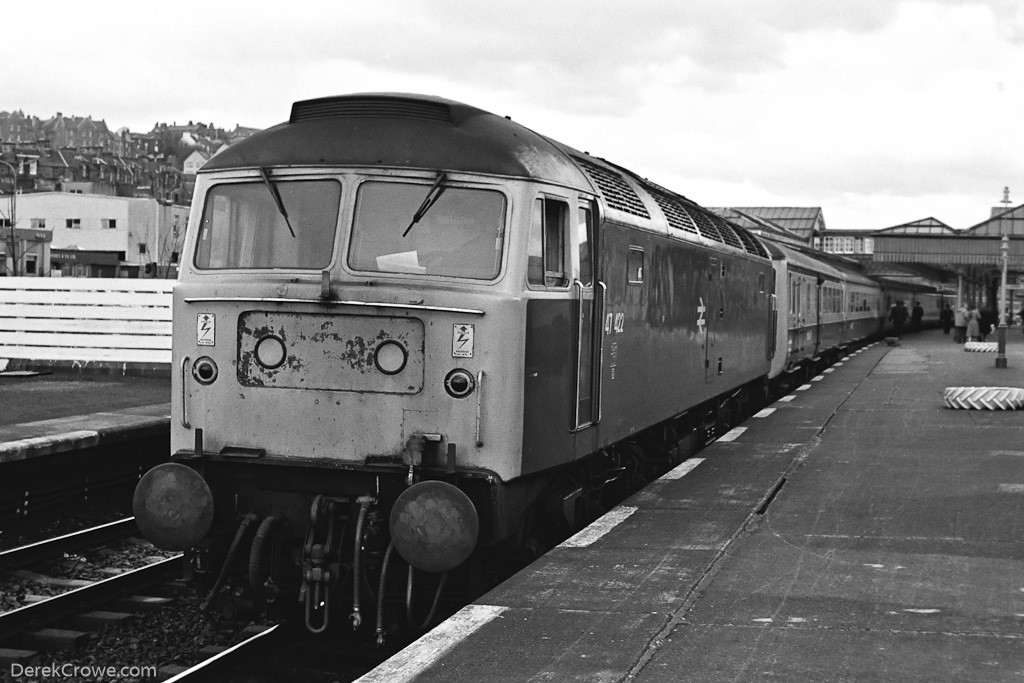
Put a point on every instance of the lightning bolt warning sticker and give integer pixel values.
(206, 327)
(462, 340)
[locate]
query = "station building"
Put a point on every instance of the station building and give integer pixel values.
(93, 235)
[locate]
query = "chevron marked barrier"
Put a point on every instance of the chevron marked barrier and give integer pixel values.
(984, 398)
(984, 347)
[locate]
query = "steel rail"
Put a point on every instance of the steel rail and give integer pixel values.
(85, 598)
(220, 666)
(18, 558)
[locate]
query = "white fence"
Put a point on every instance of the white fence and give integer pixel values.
(76, 321)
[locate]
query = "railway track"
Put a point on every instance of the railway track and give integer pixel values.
(28, 627)
(222, 663)
(34, 616)
(23, 556)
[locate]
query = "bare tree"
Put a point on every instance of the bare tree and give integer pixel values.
(11, 221)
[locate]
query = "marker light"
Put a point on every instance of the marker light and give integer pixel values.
(390, 357)
(270, 352)
(204, 370)
(459, 383)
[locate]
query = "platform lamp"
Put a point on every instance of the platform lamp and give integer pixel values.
(13, 243)
(1004, 254)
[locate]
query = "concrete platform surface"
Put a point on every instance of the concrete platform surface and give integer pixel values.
(56, 412)
(856, 531)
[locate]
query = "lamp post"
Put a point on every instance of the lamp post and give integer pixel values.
(1004, 253)
(13, 241)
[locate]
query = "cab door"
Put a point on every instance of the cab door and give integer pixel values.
(713, 316)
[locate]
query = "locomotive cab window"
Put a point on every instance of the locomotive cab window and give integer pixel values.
(276, 224)
(635, 266)
(546, 249)
(414, 229)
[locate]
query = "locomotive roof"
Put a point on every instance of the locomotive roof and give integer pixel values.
(433, 133)
(395, 129)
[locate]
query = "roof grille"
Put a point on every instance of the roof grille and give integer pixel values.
(749, 243)
(675, 213)
(707, 227)
(616, 191)
(370, 107)
(727, 233)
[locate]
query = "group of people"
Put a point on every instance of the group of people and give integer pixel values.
(968, 323)
(899, 314)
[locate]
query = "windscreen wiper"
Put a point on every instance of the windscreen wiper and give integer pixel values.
(277, 197)
(435, 192)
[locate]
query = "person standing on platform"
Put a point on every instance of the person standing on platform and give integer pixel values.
(960, 324)
(987, 322)
(946, 318)
(898, 316)
(916, 316)
(973, 324)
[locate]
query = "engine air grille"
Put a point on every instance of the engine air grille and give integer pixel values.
(728, 234)
(675, 213)
(615, 189)
(370, 107)
(707, 226)
(750, 244)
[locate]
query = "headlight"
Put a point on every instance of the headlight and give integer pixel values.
(390, 357)
(270, 352)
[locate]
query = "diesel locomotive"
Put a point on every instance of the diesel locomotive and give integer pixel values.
(413, 335)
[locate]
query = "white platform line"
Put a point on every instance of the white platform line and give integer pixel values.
(598, 528)
(828, 370)
(788, 398)
(409, 663)
(839, 363)
(1011, 488)
(764, 413)
(818, 378)
(680, 471)
(732, 434)
(803, 387)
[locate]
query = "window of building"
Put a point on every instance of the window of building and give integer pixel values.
(108, 223)
(142, 247)
(38, 223)
(546, 250)
(73, 223)
(5, 222)
(635, 266)
(30, 264)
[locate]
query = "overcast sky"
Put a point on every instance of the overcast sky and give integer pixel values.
(879, 111)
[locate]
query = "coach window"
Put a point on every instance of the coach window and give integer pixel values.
(546, 250)
(635, 266)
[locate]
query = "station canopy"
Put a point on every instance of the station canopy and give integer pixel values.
(930, 241)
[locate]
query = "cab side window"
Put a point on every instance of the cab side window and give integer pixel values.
(548, 236)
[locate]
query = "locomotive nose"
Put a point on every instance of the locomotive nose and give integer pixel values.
(173, 506)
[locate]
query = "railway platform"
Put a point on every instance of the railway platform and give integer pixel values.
(856, 530)
(46, 413)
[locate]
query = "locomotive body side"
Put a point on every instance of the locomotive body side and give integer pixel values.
(676, 322)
